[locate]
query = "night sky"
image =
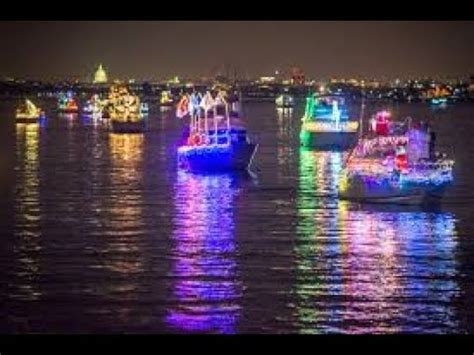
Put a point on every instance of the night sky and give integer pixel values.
(154, 50)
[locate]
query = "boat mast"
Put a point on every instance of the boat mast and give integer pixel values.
(361, 116)
(215, 124)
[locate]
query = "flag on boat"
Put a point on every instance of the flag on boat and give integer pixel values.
(207, 102)
(183, 107)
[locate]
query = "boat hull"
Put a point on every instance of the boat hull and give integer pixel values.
(358, 190)
(328, 140)
(68, 110)
(217, 158)
(26, 119)
(127, 127)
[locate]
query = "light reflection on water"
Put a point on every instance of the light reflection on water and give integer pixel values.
(206, 286)
(109, 237)
(27, 213)
(363, 269)
(121, 253)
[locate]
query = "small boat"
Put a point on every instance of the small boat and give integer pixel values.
(28, 113)
(395, 164)
(94, 107)
(285, 101)
(326, 124)
(438, 101)
(438, 96)
(215, 141)
(67, 103)
(166, 99)
(144, 109)
(124, 111)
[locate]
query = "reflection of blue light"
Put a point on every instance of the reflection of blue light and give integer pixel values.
(205, 269)
(43, 121)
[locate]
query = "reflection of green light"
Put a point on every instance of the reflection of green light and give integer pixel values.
(305, 137)
(318, 272)
(306, 247)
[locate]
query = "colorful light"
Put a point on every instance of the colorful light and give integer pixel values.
(205, 283)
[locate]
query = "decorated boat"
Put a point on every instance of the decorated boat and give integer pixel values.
(396, 163)
(326, 123)
(28, 112)
(67, 103)
(166, 99)
(124, 111)
(144, 109)
(438, 96)
(215, 141)
(285, 100)
(94, 106)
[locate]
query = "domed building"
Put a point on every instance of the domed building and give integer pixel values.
(100, 76)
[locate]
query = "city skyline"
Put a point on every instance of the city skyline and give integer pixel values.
(160, 49)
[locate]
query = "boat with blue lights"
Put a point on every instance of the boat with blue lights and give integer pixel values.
(396, 163)
(326, 123)
(67, 103)
(124, 111)
(215, 141)
(28, 112)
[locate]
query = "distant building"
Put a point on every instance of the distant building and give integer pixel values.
(471, 84)
(297, 76)
(470, 88)
(100, 76)
(266, 79)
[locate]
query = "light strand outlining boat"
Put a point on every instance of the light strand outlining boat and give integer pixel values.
(215, 142)
(124, 111)
(326, 124)
(28, 112)
(395, 164)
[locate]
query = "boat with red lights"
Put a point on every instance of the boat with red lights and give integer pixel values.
(396, 163)
(326, 124)
(215, 141)
(67, 103)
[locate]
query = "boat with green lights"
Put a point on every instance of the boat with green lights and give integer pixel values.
(326, 124)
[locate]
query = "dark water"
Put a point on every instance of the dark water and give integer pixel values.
(108, 236)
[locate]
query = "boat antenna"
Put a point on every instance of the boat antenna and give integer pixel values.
(362, 111)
